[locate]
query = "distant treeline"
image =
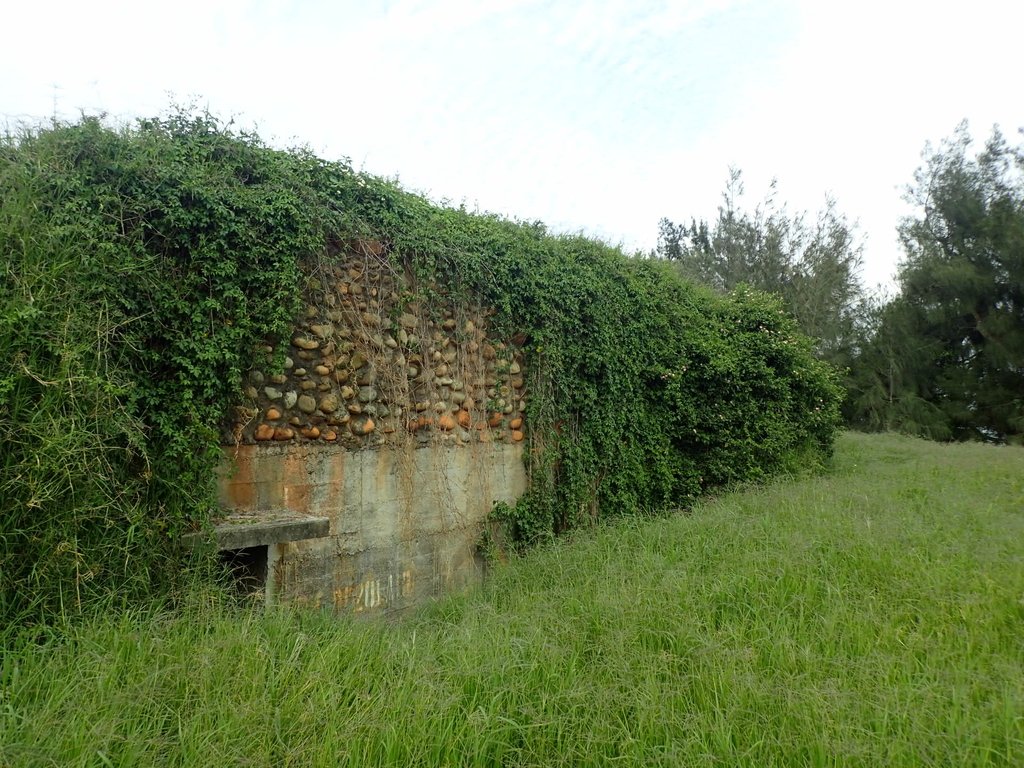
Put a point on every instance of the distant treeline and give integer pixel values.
(944, 358)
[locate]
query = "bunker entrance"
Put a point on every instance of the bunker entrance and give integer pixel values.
(247, 569)
(249, 547)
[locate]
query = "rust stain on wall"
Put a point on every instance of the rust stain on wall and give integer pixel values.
(387, 548)
(238, 487)
(295, 481)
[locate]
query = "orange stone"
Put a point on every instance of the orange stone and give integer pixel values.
(330, 435)
(446, 422)
(412, 425)
(464, 419)
(311, 434)
(363, 426)
(264, 432)
(494, 420)
(517, 435)
(273, 414)
(425, 421)
(516, 423)
(284, 433)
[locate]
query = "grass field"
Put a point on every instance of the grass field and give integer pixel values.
(874, 616)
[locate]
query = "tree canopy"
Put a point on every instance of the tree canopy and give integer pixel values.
(812, 265)
(947, 356)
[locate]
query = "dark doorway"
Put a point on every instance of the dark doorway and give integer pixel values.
(247, 568)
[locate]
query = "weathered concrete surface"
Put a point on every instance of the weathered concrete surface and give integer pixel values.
(251, 529)
(404, 523)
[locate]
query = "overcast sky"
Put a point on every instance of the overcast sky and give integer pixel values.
(599, 116)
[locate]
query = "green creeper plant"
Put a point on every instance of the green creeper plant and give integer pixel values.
(148, 265)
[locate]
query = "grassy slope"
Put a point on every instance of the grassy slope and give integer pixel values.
(872, 617)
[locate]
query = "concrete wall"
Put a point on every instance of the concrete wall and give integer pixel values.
(404, 522)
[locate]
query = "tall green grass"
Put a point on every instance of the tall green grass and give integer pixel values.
(871, 617)
(74, 527)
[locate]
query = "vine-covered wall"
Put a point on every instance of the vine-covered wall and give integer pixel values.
(156, 274)
(393, 413)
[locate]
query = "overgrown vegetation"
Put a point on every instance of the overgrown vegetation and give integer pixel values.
(647, 390)
(144, 266)
(871, 617)
(141, 268)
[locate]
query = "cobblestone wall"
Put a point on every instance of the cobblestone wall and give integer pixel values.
(369, 365)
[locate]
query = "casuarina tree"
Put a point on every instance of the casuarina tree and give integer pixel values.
(958, 369)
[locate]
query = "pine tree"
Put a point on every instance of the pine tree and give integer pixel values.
(961, 304)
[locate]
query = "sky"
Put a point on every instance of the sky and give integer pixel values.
(598, 117)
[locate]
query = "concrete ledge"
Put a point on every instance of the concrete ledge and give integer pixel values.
(253, 529)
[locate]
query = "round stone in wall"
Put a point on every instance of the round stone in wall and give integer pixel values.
(362, 426)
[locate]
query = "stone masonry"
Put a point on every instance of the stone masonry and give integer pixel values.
(369, 365)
